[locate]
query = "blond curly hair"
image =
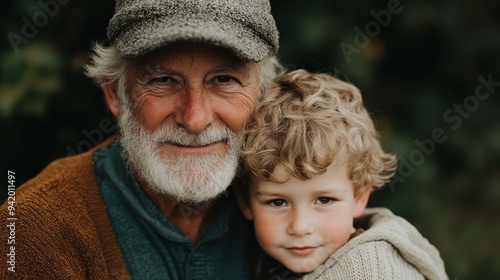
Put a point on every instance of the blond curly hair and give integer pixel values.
(306, 122)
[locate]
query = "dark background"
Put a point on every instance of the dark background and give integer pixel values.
(412, 69)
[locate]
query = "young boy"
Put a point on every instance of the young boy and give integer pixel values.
(314, 157)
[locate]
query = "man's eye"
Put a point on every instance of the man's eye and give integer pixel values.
(324, 200)
(223, 79)
(164, 79)
(278, 202)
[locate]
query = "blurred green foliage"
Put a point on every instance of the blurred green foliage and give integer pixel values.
(422, 63)
(29, 79)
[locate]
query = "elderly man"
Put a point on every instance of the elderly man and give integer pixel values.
(182, 78)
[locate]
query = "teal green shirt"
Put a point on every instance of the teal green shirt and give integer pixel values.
(155, 248)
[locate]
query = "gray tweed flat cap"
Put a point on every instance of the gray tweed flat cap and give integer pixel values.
(244, 26)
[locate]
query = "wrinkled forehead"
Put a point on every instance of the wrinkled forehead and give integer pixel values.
(189, 52)
(191, 55)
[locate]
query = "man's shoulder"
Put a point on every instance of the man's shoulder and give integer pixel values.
(60, 178)
(60, 224)
(63, 177)
(64, 182)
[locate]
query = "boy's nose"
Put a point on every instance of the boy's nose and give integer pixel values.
(301, 224)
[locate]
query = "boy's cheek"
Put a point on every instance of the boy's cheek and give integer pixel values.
(267, 228)
(267, 236)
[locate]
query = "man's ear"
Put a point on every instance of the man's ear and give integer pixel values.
(361, 202)
(247, 212)
(111, 95)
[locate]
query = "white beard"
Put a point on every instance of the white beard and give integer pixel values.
(188, 178)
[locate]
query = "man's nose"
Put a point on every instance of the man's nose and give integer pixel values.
(301, 223)
(194, 112)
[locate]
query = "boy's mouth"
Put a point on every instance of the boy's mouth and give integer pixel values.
(301, 251)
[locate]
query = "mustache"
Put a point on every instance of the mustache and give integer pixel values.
(181, 136)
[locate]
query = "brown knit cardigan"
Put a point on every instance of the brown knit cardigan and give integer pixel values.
(62, 229)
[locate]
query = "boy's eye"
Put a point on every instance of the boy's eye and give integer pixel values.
(324, 200)
(278, 202)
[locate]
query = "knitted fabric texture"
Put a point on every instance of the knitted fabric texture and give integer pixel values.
(62, 227)
(245, 27)
(391, 248)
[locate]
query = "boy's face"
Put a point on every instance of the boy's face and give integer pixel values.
(301, 223)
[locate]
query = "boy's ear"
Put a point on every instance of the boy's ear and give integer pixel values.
(361, 202)
(245, 209)
(111, 96)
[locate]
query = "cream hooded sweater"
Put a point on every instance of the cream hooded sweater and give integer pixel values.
(389, 248)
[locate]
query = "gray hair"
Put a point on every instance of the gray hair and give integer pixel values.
(107, 63)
